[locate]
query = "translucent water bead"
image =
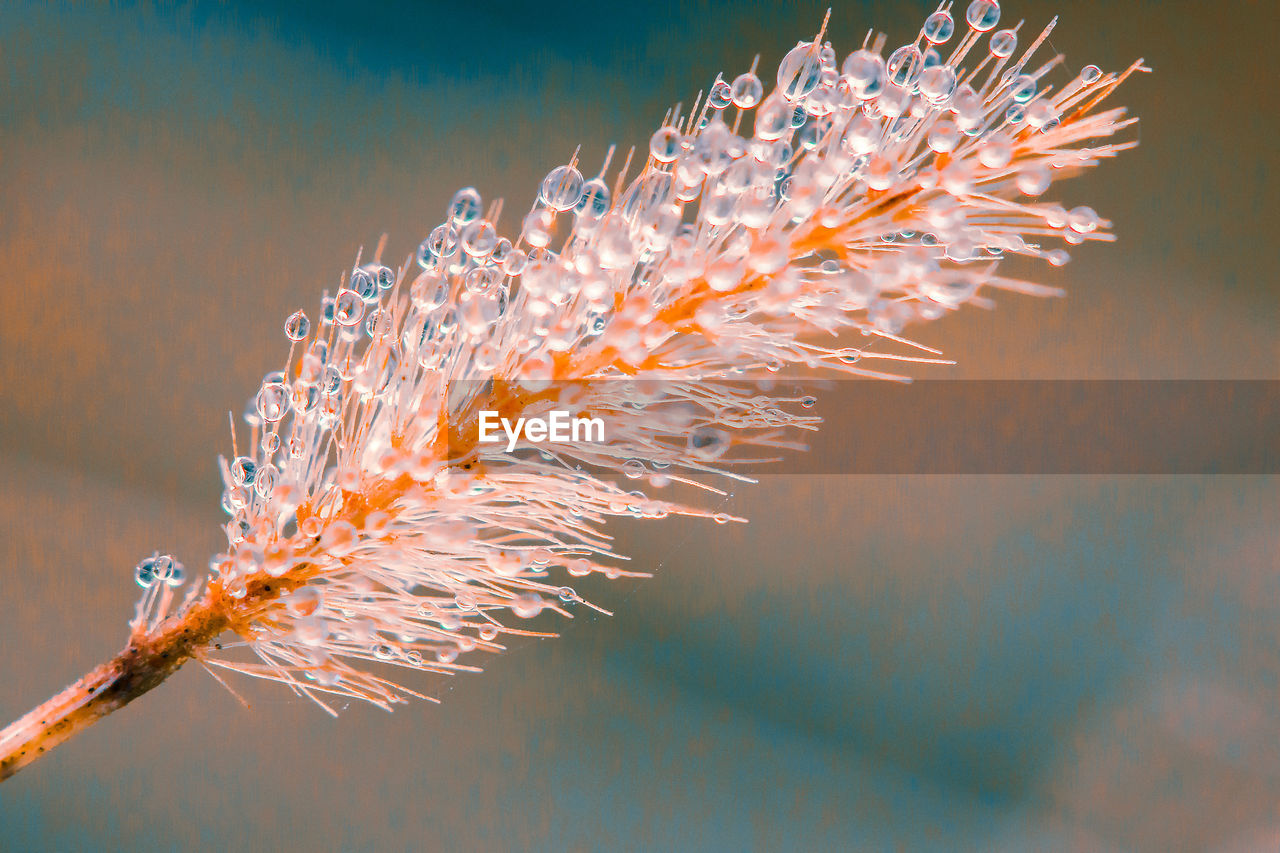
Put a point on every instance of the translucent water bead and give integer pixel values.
(348, 308)
(800, 71)
(595, 200)
(465, 206)
(243, 470)
(720, 96)
(561, 188)
(938, 83)
(365, 285)
(1022, 88)
(939, 26)
(1003, 44)
(1090, 74)
(865, 72)
(983, 15)
(664, 145)
(159, 568)
(270, 443)
(144, 572)
(441, 241)
(272, 402)
(479, 238)
(746, 91)
(904, 65)
(297, 326)
(265, 481)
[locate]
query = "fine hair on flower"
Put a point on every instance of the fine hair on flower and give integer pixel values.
(808, 220)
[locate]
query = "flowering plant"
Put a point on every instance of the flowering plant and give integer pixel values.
(370, 527)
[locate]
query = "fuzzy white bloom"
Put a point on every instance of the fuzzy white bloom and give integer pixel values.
(369, 525)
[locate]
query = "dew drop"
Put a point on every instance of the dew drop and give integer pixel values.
(144, 573)
(799, 71)
(1003, 43)
(297, 326)
(464, 208)
(243, 470)
(939, 26)
(982, 15)
(365, 285)
(272, 402)
(526, 605)
(561, 188)
(664, 145)
(746, 91)
(348, 308)
(904, 65)
(708, 442)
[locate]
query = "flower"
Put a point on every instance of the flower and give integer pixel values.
(369, 525)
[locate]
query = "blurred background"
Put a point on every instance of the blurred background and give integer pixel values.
(995, 663)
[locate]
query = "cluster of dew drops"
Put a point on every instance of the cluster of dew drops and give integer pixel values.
(464, 287)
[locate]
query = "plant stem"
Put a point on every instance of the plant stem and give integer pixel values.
(146, 662)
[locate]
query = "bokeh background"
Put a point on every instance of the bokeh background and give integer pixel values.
(874, 663)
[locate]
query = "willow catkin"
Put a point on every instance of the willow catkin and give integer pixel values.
(372, 526)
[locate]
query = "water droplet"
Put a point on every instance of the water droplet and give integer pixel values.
(272, 402)
(746, 91)
(442, 241)
(465, 207)
(982, 15)
(799, 71)
(270, 443)
(303, 601)
(297, 326)
(708, 442)
(526, 605)
(594, 202)
(939, 26)
(996, 151)
(904, 65)
(1003, 43)
(1090, 74)
(348, 308)
(1022, 88)
(479, 238)
(865, 71)
(664, 145)
(938, 83)
(243, 470)
(561, 188)
(364, 284)
(265, 481)
(1082, 219)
